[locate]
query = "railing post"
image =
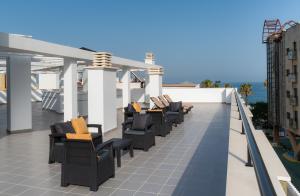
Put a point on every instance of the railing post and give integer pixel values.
(243, 130)
(249, 161)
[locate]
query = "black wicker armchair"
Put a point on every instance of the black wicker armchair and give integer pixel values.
(58, 137)
(139, 131)
(160, 124)
(87, 165)
(173, 112)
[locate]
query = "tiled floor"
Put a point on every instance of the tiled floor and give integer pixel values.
(192, 160)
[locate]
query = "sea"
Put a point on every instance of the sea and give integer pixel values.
(259, 92)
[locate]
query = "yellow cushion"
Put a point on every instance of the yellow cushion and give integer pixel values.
(137, 107)
(77, 136)
(79, 125)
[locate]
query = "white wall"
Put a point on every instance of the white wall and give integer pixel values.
(201, 95)
(49, 81)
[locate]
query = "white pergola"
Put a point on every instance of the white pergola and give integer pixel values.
(23, 54)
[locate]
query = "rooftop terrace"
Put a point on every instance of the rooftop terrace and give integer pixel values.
(189, 161)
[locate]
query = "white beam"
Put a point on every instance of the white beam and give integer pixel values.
(18, 44)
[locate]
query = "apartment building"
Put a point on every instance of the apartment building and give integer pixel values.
(291, 82)
(283, 84)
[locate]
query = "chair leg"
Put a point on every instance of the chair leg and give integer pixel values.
(131, 150)
(51, 151)
(94, 188)
(118, 157)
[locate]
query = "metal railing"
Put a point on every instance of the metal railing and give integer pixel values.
(254, 156)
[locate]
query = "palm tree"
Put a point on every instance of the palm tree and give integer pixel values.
(245, 90)
(227, 85)
(207, 84)
(217, 84)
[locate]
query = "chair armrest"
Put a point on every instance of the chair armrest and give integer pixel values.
(149, 126)
(126, 125)
(96, 126)
(107, 144)
(57, 135)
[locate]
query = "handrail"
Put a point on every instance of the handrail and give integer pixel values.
(264, 182)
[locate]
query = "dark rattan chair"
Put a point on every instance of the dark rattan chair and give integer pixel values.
(139, 131)
(87, 165)
(58, 137)
(161, 126)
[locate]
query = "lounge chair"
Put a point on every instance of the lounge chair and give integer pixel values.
(167, 104)
(85, 164)
(187, 106)
(173, 112)
(139, 131)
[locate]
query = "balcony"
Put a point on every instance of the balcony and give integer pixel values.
(293, 124)
(294, 101)
(292, 55)
(292, 77)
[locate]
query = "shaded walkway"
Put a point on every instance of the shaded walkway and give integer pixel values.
(41, 119)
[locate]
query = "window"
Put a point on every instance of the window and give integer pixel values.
(287, 51)
(288, 115)
(288, 94)
(287, 72)
(295, 92)
(295, 46)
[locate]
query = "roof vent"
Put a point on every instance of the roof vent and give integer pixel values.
(102, 59)
(150, 58)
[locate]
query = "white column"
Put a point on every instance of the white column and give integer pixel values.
(102, 98)
(126, 90)
(70, 89)
(155, 86)
(19, 110)
(147, 89)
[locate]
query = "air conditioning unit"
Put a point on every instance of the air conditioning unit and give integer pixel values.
(293, 101)
(292, 77)
(292, 55)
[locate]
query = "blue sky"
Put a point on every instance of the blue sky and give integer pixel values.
(194, 40)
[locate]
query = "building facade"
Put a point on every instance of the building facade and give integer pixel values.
(291, 82)
(283, 84)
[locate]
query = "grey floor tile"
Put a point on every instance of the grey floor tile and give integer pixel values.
(138, 177)
(167, 190)
(123, 193)
(33, 192)
(112, 183)
(131, 185)
(150, 188)
(157, 179)
(144, 194)
(54, 193)
(16, 189)
(102, 191)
